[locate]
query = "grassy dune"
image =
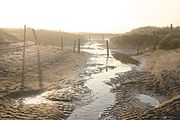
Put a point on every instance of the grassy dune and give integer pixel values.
(45, 37)
(165, 38)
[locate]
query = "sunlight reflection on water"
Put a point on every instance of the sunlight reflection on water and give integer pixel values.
(36, 100)
(147, 99)
(103, 69)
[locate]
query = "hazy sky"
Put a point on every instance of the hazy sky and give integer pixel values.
(89, 15)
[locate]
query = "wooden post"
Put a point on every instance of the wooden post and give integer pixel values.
(154, 41)
(59, 37)
(107, 43)
(171, 27)
(23, 60)
(74, 47)
(38, 60)
(79, 43)
(62, 42)
(138, 47)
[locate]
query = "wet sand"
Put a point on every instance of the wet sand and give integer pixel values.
(58, 91)
(159, 79)
(61, 89)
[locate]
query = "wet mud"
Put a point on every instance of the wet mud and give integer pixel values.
(60, 92)
(68, 86)
(163, 88)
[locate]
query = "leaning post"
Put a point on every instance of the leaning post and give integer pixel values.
(38, 60)
(23, 59)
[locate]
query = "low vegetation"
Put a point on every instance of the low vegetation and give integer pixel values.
(172, 41)
(164, 38)
(45, 37)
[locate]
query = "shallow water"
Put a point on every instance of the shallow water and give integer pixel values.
(36, 100)
(147, 99)
(100, 70)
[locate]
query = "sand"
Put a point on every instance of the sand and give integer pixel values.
(159, 78)
(57, 85)
(61, 89)
(161, 60)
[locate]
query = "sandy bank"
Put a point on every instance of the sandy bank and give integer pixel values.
(161, 60)
(159, 78)
(59, 80)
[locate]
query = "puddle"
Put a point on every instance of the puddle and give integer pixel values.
(36, 100)
(147, 99)
(52, 96)
(100, 70)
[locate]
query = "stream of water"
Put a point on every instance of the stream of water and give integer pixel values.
(100, 70)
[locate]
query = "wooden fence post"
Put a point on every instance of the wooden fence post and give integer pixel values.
(171, 27)
(138, 47)
(74, 47)
(79, 44)
(23, 60)
(38, 60)
(154, 41)
(62, 46)
(107, 44)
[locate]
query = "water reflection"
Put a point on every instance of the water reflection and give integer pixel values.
(106, 64)
(147, 99)
(103, 69)
(35, 100)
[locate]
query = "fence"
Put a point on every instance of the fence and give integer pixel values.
(75, 45)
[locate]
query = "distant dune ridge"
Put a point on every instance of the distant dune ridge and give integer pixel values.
(45, 37)
(6, 38)
(165, 38)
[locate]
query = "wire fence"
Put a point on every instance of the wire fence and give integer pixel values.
(32, 50)
(26, 65)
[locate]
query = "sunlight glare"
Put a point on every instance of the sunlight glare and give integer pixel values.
(88, 15)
